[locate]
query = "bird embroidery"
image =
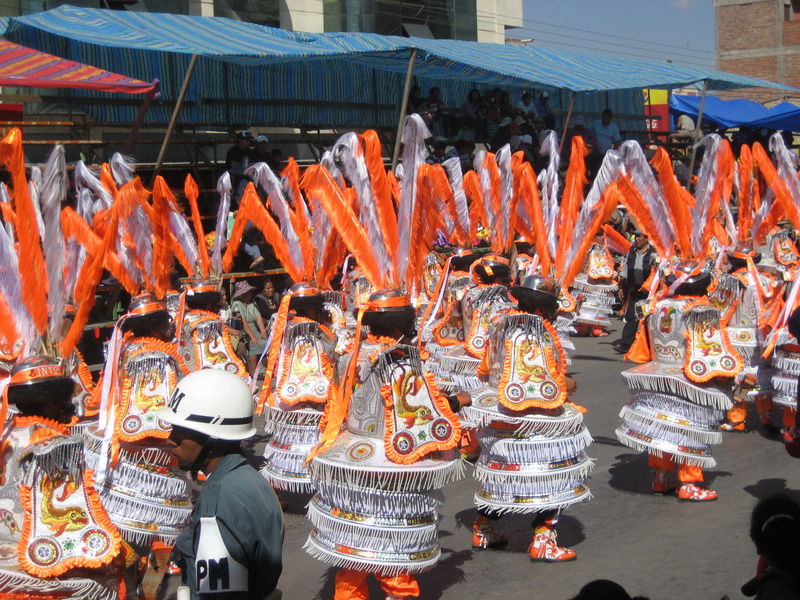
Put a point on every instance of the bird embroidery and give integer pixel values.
(70, 518)
(145, 400)
(706, 343)
(409, 384)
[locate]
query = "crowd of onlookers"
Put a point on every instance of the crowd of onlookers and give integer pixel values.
(493, 120)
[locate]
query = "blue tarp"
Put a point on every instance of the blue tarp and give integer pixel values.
(738, 113)
(281, 77)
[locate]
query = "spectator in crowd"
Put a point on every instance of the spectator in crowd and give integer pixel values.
(436, 107)
(473, 113)
(252, 323)
(267, 300)
(606, 133)
(578, 129)
(502, 134)
(526, 106)
(261, 150)
(543, 110)
(684, 126)
(464, 149)
(775, 531)
(415, 100)
(238, 158)
(635, 271)
(539, 130)
(440, 152)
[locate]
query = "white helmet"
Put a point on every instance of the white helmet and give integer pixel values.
(213, 402)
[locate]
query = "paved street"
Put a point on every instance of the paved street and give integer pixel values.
(653, 546)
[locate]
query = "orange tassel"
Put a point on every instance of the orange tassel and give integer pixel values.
(640, 351)
(782, 196)
(746, 184)
(192, 192)
(528, 193)
(615, 237)
(477, 211)
(161, 192)
(571, 202)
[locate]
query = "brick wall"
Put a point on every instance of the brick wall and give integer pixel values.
(746, 26)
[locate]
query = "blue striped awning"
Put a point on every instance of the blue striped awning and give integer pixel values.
(274, 74)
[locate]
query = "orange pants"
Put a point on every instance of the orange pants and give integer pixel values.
(737, 413)
(686, 473)
(764, 404)
(352, 585)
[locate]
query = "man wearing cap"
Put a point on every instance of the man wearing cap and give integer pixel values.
(232, 547)
(635, 272)
(543, 109)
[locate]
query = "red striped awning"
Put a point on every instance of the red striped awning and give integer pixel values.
(26, 67)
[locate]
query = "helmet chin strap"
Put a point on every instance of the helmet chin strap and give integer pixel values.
(205, 451)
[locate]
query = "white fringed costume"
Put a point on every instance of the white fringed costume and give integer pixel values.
(300, 389)
(595, 290)
(376, 505)
(532, 444)
(677, 400)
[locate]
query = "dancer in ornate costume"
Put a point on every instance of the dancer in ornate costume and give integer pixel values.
(595, 290)
(532, 442)
(56, 540)
(301, 356)
(375, 508)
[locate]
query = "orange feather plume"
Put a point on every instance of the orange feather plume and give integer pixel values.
(632, 199)
(477, 211)
(528, 193)
(678, 201)
(345, 221)
(616, 238)
(252, 210)
(571, 201)
(382, 190)
(192, 192)
(31, 258)
(162, 194)
(9, 216)
(782, 196)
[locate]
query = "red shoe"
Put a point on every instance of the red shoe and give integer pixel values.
(173, 568)
(787, 435)
(690, 492)
(544, 547)
(738, 427)
(486, 537)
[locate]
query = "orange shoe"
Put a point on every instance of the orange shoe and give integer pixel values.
(737, 427)
(486, 537)
(543, 548)
(173, 568)
(690, 492)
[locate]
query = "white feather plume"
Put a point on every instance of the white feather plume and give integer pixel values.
(706, 180)
(53, 192)
(787, 163)
(86, 182)
(221, 230)
(415, 132)
(645, 181)
(11, 288)
(548, 184)
(4, 198)
(503, 158)
(453, 168)
(122, 167)
(348, 151)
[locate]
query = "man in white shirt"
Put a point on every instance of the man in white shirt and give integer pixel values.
(526, 105)
(606, 133)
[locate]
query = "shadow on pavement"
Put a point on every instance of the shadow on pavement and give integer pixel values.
(770, 487)
(630, 473)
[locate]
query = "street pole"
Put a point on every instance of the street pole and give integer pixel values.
(403, 105)
(175, 111)
(566, 121)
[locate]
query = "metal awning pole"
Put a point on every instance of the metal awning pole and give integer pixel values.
(137, 123)
(566, 122)
(403, 106)
(175, 111)
(696, 134)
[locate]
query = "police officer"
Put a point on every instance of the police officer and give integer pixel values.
(232, 545)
